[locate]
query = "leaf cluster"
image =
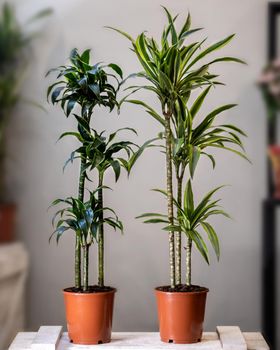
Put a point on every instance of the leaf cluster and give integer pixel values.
(83, 218)
(192, 218)
(171, 65)
(85, 84)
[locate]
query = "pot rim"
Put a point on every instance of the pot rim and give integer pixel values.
(206, 290)
(114, 290)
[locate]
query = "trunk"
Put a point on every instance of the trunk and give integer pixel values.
(85, 267)
(170, 198)
(189, 263)
(101, 235)
(77, 263)
(178, 235)
(78, 243)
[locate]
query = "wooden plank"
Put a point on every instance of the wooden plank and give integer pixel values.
(255, 341)
(148, 341)
(47, 338)
(231, 338)
(23, 341)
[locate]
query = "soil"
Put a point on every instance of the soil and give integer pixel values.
(182, 288)
(91, 289)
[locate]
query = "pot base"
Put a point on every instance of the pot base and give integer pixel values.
(92, 342)
(171, 341)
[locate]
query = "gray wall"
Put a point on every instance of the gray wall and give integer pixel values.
(138, 261)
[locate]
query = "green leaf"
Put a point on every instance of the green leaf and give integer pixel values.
(136, 155)
(211, 49)
(149, 109)
(86, 56)
(121, 32)
(200, 209)
(186, 26)
(117, 168)
(156, 221)
(150, 215)
(208, 120)
(56, 93)
(200, 244)
(233, 127)
(188, 199)
(95, 89)
(50, 88)
(70, 106)
(172, 27)
(194, 157)
(172, 228)
(71, 133)
(198, 102)
(177, 145)
(212, 237)
(242, 155)
(117, 69)
(212, 159)
(227, 59)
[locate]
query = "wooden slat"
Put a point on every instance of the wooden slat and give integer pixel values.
(23, 341)
(231, 338)
(255, 341)
(47, 338)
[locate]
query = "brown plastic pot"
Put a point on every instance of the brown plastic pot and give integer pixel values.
(7, 222)
(181, 316)
(89, 316)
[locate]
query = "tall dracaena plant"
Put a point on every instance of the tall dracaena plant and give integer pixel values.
(86, 86)
(173, 70)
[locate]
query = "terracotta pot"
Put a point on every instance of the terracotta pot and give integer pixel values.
(7, 222)
(181, 316)
(89, 316)
(274, 155)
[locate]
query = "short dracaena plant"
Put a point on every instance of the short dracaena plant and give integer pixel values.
(85, 87)
(85, 219)
(174, 70)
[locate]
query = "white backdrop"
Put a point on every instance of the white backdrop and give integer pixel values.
(138, 261)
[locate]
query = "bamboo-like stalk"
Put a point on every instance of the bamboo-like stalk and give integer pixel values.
(178, 235)
(85, 266)
(101, 234)
(170, 196)
(189, 262)
(78, 243)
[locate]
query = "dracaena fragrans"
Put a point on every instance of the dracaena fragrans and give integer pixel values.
(173, 71)
(81, 87)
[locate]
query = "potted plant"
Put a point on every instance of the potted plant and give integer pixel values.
(14, 44)
(270, 87)
(173, 72)
(89, 308)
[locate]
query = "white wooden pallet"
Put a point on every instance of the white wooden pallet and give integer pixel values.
(225, 337)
